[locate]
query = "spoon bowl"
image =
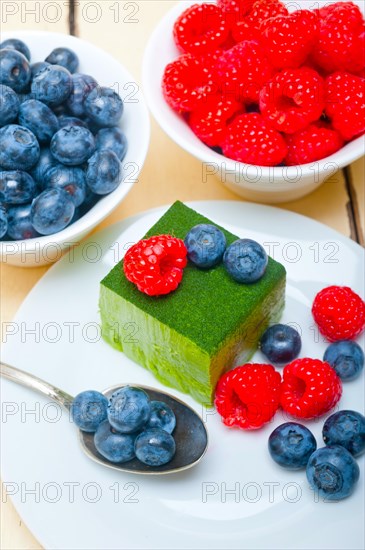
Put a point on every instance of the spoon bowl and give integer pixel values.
(190, 433)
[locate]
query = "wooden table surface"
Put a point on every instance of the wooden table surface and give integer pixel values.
(169, 173)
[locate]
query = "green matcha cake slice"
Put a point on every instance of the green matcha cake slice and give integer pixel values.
(189, 337)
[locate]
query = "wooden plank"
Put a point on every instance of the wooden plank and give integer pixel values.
(327, 204)
(31, 15)
(14, 282)
(356, 182)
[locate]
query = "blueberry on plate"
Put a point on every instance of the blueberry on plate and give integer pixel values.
(82, 84)
(35, 68)
(14, 70)
(245, 260)
(52, 211)
(3, 221)
(155, 447)
(9, 105)
(333, 472)
(19, 148)
(205, 244)
(104, 107)
(72, 145)
(52, 85)
(71, 180)
(162, 416)
(346, 357)
(104, 172)
(281, 343)
(114, 139)
(65, 58)
(291, 444)
(19, 224)
(65, 120)
(129, 409)
(15, 44)
(346, 428)
(89, 410)
(17, 187)
(112, 445)
(39, 119)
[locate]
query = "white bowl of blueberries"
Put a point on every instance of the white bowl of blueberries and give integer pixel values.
(74, 134)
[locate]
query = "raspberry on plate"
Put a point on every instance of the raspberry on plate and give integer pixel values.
(251, 27)
(289, 39)
(251, 139)
(345, 103)
(243, 71)
(339, 313)
(185, 83)
(200, 29)
(209, 121)
(155, 265)
(310, 388)
(313, 143)
(293, 99)
(248, 396)
(341, 40)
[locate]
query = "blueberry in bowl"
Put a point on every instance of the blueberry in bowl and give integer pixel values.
(72, 145)
(14, 70)
(47, 133)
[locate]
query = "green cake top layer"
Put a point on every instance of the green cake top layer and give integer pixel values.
(208, 305)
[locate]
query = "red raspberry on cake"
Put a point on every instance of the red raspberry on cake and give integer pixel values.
(252, 26)
(200, 29)
(341, 43)
(155, 265)
(251, 139)
(248, 396)
(339, 313)
(293, 99)
(310, 388)
(345, 103)
(209, 121)
(289, 39)
(243, 71)
(186, 83)
(314, 143)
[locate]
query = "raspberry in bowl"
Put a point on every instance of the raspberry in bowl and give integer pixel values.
(273, 109)
(71, 148)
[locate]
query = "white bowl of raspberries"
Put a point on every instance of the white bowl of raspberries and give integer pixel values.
(74, 133)
(268, 94)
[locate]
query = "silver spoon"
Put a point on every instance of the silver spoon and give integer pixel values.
(190, 434)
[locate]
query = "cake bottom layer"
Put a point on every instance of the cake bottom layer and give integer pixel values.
(174, 359)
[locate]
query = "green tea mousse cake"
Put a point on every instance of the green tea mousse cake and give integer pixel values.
(191, 336)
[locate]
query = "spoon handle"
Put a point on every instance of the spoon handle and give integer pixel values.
(37, 384)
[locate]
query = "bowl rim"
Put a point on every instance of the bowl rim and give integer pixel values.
(72, 234)
(167, 120)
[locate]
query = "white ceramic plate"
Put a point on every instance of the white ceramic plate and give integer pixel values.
(237, 497)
